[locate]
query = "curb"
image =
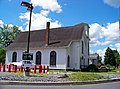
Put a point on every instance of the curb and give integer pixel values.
(56, 83)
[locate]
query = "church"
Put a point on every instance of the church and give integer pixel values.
(59, 48)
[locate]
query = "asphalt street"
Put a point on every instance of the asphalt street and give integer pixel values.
(112, 85)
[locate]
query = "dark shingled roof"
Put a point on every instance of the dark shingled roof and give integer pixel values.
(59, 37)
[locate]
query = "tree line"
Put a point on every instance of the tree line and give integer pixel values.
(7, 35)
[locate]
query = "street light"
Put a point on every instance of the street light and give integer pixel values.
(29, 7)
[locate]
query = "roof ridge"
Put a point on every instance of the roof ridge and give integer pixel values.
(81, 24)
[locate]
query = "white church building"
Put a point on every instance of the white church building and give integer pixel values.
(59, 48)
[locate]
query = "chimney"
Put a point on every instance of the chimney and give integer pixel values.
(47, 33)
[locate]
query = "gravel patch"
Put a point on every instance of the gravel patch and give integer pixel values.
(49, 78)
(111, 76)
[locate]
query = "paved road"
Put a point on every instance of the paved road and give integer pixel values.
(112, 85)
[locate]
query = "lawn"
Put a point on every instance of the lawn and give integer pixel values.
(85, 76)
(116, 71)
(72, 76)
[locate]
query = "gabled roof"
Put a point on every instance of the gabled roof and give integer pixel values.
(94, 56)
(59, 37)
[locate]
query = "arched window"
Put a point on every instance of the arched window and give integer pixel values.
(68, 61)
(82, 57)
(14, 57)
(88, 48)
(52, 58)
(82, 47)
(38, 58)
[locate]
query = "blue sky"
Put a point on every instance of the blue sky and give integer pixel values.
(101, 15)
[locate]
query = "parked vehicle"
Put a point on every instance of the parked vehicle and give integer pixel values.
(16, 63)
(23, 63)
(27, 63)
(103, 69)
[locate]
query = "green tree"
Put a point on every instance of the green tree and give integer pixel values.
(7, 35)
(118, 61)
(117, 57)
(2, 55)
(109, 57)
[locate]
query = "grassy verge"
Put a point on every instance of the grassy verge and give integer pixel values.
(11, 74)
(57, 71)
(38, 75)
(116, 71)
(22, 74)
(73, 76)
(85, 76)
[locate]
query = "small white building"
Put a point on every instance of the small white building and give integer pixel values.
(94, 58)
(59, 48)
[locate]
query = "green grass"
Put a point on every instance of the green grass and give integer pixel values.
(116, 71)
(59, 71)
(84, 76)
(22, 74)
(73, 76)
(12, 74)
(37, 74)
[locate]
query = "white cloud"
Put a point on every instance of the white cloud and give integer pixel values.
(101, 52)
(10, 25)
(45, 12)
(1, 22)
(113, 48)
(48, 4)
(112, 31)
(95, 31)
(39, 20)
(111, 45)
(55, 24)
(20, 28)
(91, 51)
(103, 35)
(117, 45)
(113, 3)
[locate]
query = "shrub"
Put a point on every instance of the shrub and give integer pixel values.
(108, 65)
(92, 68)
(2, 55)
(84, 70)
